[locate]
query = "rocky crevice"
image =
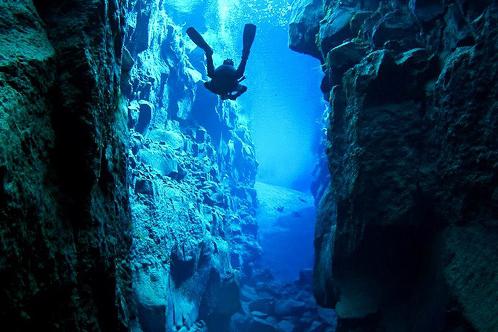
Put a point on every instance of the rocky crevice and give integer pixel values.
(405, 234)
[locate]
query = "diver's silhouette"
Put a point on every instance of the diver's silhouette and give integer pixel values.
(225, 80)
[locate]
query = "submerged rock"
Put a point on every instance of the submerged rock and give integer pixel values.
(64, 209)
(304, 26)
(194, 167)
(144, 116)
(412, 88)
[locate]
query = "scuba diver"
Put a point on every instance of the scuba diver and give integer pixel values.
(225, 80)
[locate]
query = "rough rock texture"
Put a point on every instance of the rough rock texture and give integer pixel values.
(406, 238)
(269, 304)
(192, 171)
(64, 210)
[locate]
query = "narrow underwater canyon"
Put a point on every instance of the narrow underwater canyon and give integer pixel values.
(129, 193)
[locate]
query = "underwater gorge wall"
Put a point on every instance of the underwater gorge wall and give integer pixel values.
(127, 197)
(65, 221)
(192, 171)
(406, 236)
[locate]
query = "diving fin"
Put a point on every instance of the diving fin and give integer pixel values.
(199, 41)
(249, 34)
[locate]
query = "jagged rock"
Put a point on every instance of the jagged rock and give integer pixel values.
(456, 30)
(144, 187)
(317, 327)
(220, 301)
(357, 22)
(159, 160)
(144, 116)
(304, 26)
(140, 34)
(152, 317)
(335, 29)
(63, 198)
(261, 325)
(427, 10)
(182, 264)
(266, 305)
(346, 55)
(290, 307)
(285, 326)
(170, 138)
(398, 26)
(409, 120)
(127, 61)
(341, 58)
(259, 314)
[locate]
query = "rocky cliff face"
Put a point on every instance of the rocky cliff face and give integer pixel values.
(406, 235)
(64, 199)
(192, 171)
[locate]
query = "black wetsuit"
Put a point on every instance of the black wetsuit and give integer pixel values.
(226, 79)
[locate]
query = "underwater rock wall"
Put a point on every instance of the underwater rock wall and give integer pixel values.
(64, 210)
(406, 235)
(192, 171)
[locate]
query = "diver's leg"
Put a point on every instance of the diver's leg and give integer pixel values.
(209, 86)
(210, 64)
(239, 90)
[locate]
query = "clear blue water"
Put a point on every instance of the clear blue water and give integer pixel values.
(284, 107)
(284, 103)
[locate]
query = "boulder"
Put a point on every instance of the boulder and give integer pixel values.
(335, 29)
(159, 160)
(172, 139)
(220, 301)
(127, 61)
(426, 10)
(144, 116)
(266, 305)
(144, 187)
(262, 325)
(290, 307)
(342, 57)
(259, 314)
(304, 26)
(182, 264)
(397, 26)
(285, 326)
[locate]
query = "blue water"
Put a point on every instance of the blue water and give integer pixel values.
(284, 104)
(283, 107)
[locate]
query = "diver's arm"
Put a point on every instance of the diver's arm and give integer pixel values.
(242, 65)
(210, 65)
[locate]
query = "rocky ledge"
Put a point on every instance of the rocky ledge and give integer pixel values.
(406, 236)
